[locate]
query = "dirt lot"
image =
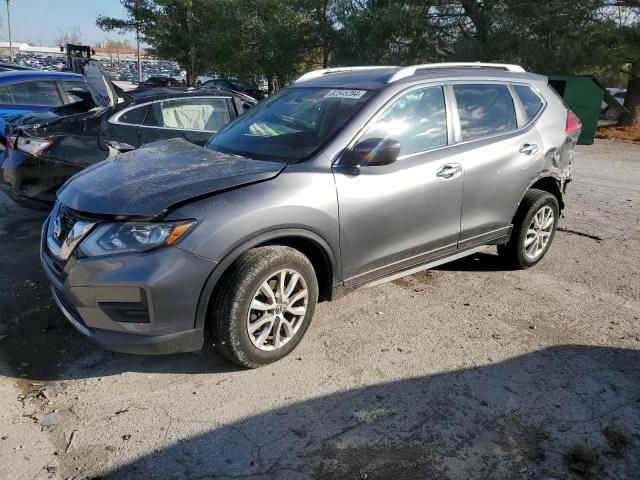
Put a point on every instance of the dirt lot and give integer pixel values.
(468, 371)
(622, 134)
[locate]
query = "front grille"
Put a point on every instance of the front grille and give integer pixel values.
(63, 223)
(65, 231)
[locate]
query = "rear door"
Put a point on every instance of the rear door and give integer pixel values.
(396, 216)
(195, 119)
(500, 153)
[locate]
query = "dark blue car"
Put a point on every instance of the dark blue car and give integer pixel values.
(30, 91)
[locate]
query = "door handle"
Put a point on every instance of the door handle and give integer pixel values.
(449, 171)
(529, 148)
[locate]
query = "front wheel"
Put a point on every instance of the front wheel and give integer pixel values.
(265, 305)
(534, 227)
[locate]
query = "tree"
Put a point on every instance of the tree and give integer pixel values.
(280, 39)
(624, 45)
(275, 39)
(73, 37)
(114, 46)
(178, 30)
(140, 14)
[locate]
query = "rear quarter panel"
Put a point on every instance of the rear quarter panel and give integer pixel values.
(558, 146)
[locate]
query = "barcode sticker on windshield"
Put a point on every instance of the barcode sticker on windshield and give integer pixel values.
(345, 93)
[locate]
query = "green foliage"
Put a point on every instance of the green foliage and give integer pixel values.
(279, 39)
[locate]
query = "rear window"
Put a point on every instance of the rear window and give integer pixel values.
(531, 102)
(484, 110)
(40, 92)
(73, 87)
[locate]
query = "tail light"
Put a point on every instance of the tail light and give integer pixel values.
(573, 123)
(32, 145)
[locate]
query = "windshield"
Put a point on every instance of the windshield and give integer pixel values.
(290, 125)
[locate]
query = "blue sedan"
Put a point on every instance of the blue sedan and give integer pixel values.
(31, 91)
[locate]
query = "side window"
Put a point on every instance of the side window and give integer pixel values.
(210, 114)
(135, 116)
(417, 120)
(530, 100)
(4, 95)
(41, 92)
(73, 87)
(484, 110)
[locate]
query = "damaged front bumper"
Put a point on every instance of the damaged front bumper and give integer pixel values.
(132, 303)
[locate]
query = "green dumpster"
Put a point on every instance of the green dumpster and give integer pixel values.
(583, 95)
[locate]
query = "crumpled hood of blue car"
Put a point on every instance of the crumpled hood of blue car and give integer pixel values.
(149, 181)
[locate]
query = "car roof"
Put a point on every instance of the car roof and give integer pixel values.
(22, 75)
(163, 93)
(379, 78)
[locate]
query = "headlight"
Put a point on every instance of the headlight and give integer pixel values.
(133, 237)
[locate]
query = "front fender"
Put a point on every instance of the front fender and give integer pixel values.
(259, 239)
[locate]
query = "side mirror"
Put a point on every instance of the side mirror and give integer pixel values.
(120, 147)
(372, 152)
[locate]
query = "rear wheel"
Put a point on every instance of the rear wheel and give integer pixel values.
(534, 227)
(611, 114)
(265, 305)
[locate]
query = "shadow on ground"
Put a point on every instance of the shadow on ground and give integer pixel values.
(478, 262)
(38, 344)
(563, 412)
(36, 341)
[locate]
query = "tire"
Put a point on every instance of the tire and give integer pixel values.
(243, 288)
(520, 253)
(611, 114)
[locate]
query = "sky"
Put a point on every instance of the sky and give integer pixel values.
(43, 21)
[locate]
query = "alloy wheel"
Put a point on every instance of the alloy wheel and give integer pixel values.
(539, 232)
(277, 310)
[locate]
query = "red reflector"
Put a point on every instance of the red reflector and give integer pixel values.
(573, 123)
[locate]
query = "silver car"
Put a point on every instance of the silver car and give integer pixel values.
(347, 178)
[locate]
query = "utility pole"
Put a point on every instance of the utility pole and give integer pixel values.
(192, 49)
(9, 24)
(140, 79)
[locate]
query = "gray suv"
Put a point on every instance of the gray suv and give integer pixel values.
(347, 178)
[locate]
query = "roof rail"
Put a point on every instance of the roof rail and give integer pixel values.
(324, 71)
(409, 71)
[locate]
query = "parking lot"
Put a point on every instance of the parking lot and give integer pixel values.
(470, 370)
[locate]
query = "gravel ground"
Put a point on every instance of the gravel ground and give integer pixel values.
(467, 371)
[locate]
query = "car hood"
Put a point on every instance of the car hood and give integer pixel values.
(151, 180)
(103, 91)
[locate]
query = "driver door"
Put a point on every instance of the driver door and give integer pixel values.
(403, 214)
